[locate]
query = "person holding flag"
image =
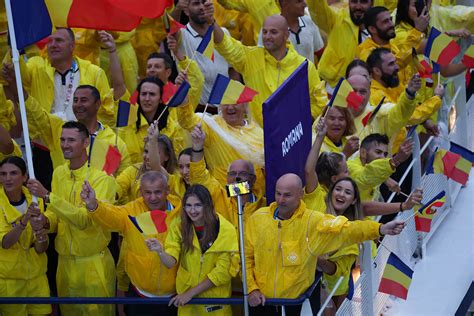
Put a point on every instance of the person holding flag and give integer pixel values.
(148, 276)
(85, 268)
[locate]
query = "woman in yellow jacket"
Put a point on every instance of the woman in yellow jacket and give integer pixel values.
(151, 108)
(204, 245)
(23, 260)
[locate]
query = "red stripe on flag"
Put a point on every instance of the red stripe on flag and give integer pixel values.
(159, 219)
(246, 95)
(112, 160)
(354, 100)
(448, 53)
(391, 287)
(459, 176)
(422, 224)
(366, 119)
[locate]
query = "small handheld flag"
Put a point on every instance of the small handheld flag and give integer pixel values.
(464, 152)
(126, 114)
(371, 115)
(422, 65)
(171, 25)
(180, 95)
(345, 96)
(441, 48)
(206, 47)
(452, 165)
(424, 215)
(228, 91)
(396, 278)
(150, 223)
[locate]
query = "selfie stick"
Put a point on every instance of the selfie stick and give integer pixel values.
(240, 210)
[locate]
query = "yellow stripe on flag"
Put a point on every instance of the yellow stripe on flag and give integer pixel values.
(464, 165)
(232, 93)
(146, 224)
(59, 11)
(396, 275)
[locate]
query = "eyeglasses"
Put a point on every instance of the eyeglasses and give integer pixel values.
(196, 207)
(240, 174)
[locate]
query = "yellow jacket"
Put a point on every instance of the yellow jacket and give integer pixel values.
(369, 176)
(38, 79)
(263, 73)
(257, 10)
(225, 143)
(316, 200)
(343, 39)
(144, 267)
(7, 116)
(128, 184)
(282, 255)
(329, 146)
(16, 152)
(48, 128)
(344, 259)
(77, 235)
(450, 17)
(224, 205)
(21, 261)
(219, 263)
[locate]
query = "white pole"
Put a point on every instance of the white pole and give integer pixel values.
(240, 209)
(21, 97)
(328, 299)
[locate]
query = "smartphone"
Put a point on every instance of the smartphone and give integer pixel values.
(238, 188)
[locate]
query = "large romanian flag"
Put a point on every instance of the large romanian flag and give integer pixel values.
(441, 48)
(424, 215)
(34, 19)
(396, 278)
(452, 165)
(345, 96)
(150, 223)
(228, 91)
(146, 8)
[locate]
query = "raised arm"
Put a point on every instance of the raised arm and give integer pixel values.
(311, 176)
(118, 82)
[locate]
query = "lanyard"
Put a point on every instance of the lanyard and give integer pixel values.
(70, 85)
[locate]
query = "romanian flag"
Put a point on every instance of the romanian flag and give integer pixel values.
(126, 114)
(103, 156)
(180, 95)
(441, 48)
(452, 165)
(228, 91)
(371, 115)
(464, 152)
(206, 47)
(150, 223)
(345, 96)
(468, 58)
(171, 25)
(424, 214)
(34, 19)
(146, 8)
(396, 278)
(422, 65)
(169, 89)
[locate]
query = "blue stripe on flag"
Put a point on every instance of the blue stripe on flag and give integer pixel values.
(218, 90)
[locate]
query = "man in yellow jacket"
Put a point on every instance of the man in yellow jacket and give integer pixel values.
(345, 29)
(85, 265)
(86, 104)
(264, 69)
(148, 276)
(284, 240)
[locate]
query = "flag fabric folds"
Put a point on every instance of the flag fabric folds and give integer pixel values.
(287, 129)
(103, 156)
(206, 47)
(452, 165)
(424, 214)
(396, 278)
(228, 91)
(171, 25)
(147, 8)
(126, 113)
(464, 152)
(31, 21)
(180, 95)
(345, 96)
(371, 115)
(468, 58)
(150, 223)
(441, 48)
(423, 66)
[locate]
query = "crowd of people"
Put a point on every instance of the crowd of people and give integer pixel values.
(178, 161)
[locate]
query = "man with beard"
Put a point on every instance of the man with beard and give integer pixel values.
(190, 38)
(381, 28)
(345, 29)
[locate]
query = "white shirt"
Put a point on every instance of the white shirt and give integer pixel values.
(190, 40)
(64, 87)
(306, 41)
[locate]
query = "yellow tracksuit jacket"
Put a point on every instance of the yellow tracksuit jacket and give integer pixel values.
(85, 265)
(263, 73)
(144, 268)
(344, 258)
(281, 256)
(219, 264)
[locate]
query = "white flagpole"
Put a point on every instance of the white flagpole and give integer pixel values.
(21, 97)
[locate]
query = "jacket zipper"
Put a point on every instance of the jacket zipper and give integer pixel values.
(200, 266)
(276, 269)
(73, 199)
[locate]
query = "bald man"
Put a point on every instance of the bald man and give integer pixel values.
(284, 240)
(265, 68)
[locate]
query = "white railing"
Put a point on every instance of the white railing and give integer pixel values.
(410, 245)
